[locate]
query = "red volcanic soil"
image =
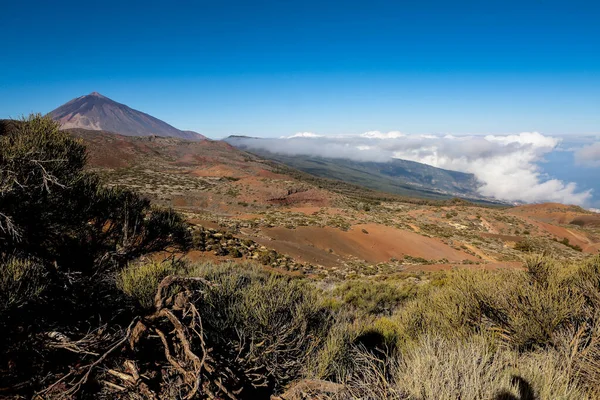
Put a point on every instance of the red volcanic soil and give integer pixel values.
(325, 246)
(547, 217)
(581, 239)
(205, 158)
(549, 212)
(587, 221)
(219, 171)
(280, 190)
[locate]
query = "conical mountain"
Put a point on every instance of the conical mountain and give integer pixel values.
(99, 113)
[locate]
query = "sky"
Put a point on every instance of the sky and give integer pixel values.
(275, 68)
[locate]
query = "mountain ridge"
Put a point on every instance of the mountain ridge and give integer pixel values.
(396, 176)
(99, 113)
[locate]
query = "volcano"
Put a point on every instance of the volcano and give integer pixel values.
(99, 113)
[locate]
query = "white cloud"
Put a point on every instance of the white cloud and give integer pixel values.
(588, 155)
(302, 135)
(381, 135)
(506, 165)
(533, 138)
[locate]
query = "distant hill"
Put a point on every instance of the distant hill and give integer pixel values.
(99, 113)
(407, 178)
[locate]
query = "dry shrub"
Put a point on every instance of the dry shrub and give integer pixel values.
(374, 297)
(349, 341)
(265, 325)
(524, 308)
(473, 369)
(484, 335)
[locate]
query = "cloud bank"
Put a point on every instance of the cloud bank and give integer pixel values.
(588, 156)
(506, 165)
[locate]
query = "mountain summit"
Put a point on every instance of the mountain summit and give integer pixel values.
(99, 113)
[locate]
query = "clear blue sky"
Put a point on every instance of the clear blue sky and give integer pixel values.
(272, 68)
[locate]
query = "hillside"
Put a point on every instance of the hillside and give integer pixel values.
(406, 178)
(318, 222)
(97, 112)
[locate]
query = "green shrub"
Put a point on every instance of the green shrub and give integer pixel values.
(565, 242)
(335, 359)
(140, 280)
(531, 245)
(54, 210)
(374, 297)
(21, 281)
(523, 308)
(347, 340)
(262, 322)
(471, 369)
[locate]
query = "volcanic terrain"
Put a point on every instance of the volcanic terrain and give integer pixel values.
(298, 222)
(97, 112)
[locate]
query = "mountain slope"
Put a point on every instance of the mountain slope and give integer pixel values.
(97, 112)
(402, 177)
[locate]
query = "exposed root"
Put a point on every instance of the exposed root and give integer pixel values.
(177, 324)
(75, 387)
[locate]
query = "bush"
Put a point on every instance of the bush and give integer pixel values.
(140, 280)
(349, 339)
(266, 325)
(531, 245)
(374, 297)
(62, 235)
(565, 242)
(52, 209)
(492, 334)
(21, 281)
(474, 369)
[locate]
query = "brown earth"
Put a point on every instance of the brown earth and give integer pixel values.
(563, 222)
(221, 187)
(380, 244)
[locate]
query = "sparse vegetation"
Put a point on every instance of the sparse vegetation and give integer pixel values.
(94, 302)
(566, 242)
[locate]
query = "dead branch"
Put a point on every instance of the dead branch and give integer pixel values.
(178, 325)
(77, 386)
(171, 280)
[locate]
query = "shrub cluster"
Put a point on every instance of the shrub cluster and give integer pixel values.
(462, 334)
(486, 335)
(61, 234)
(52, 209)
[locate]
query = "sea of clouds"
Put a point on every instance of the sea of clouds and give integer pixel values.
(508, 166)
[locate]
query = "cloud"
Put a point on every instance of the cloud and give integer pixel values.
(302, 134)
(588, 155)
(505, 165)
(380, 135)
